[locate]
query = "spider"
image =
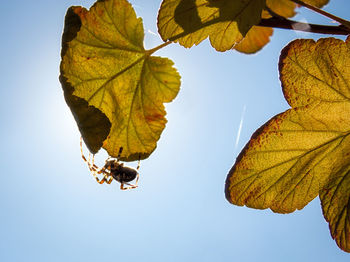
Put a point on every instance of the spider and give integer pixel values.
(112, 170)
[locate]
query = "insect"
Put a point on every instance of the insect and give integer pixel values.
(112, 169)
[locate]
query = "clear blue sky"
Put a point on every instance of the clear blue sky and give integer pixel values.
(53, 210)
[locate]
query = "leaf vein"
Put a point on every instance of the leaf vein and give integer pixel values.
(256, 174)
(315, 77)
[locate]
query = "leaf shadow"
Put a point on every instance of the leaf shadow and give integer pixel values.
(187, 17)
(93, 125)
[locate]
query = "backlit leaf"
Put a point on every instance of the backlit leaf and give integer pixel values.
(225, 22)
(286, 8)
(255, 40)
(317, 3)
(283, 8)
(258, 37)
(105, 64)
(335, 199)
(304, 151)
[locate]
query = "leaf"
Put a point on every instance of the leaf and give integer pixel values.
(286, 8)
(255, 40)
(335, 199)
(225, 22)
(93, 124)
(105, 64)
(305, 150)
(317, 3)
(257, 37)
(228, 24)
(283, 8)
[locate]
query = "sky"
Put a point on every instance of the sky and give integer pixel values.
(52, 209)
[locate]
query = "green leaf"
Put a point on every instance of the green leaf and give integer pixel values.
(305, 150)
(105, 64)
(225, 22)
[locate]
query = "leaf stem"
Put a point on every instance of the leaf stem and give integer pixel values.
(151, 51)
(324, 13)
(283, 23)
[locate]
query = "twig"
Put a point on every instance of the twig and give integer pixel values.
(322, 12)
(305, 27)
(151, 51)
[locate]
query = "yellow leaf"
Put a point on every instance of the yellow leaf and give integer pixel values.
(257, 37)
(317, 3)
(286, 8)
(335, 198)
(104, 63)
(93, 125)
(225, 22)
(283, 8)
(279, 162)
(255, 40)
(305, 150)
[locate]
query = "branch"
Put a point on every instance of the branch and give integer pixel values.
(322, 12)
(305, 27)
